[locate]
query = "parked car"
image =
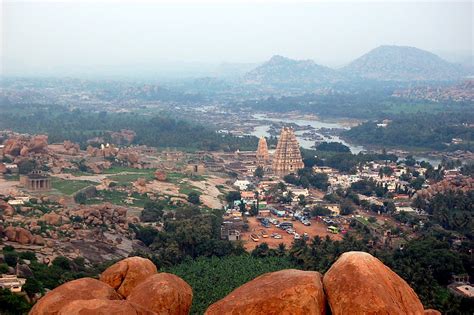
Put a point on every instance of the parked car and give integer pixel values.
(264, 234)
(306, 222)
(254, 237)
(296, 236)
(276, 236)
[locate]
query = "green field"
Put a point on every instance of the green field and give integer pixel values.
(70, 187)
(117, 198)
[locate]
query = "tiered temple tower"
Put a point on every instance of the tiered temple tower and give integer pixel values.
(287, 158)
(262, 152)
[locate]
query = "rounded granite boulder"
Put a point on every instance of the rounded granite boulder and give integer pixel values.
(287, 291)
(358, 283)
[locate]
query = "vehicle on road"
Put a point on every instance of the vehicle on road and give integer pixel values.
(254, 237)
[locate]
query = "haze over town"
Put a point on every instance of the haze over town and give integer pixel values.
(97, 38)
(243, 157)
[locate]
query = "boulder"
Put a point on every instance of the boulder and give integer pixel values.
(163, 293)
(23, 271)
(18, 234)
(7, 209)
(80, 289)
(283, 292)
(23, 236)
(359, 283)
(51, 218)
(103, 307)
(10, 233)
(12, 147)
(126, 274)
(432, 312)
(38, 143)
(160, 175)
(38, 240)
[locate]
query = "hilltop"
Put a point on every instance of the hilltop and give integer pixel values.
(402, 63)
(282, 71)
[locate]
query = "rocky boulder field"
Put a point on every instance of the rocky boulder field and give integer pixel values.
(357, 283)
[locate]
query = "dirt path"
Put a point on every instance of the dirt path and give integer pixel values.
(210, 193)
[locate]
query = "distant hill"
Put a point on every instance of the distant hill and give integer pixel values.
(402, 63)
(280, 71)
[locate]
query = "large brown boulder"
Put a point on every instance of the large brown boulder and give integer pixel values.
(23, 236)
(6, 208)
(51, 218)
(18, 234)
(126, 274)
(103, 307)
(12, 147)
(163, 293)
(38, 143)
(288, 291)
(80, 289)
(358, 283)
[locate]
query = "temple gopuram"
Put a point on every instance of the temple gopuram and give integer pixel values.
(287, 158)
(262, 152)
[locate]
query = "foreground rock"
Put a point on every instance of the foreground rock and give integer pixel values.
(125, 275)
(80, 289)
(103, 307)
(358, 283)
(289, 291)
(163, 293)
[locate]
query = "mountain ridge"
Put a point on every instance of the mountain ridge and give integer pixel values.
(383, 63)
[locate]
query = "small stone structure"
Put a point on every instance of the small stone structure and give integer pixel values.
(12, 283)
(36, 181)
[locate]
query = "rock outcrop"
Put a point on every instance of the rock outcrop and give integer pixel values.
(18, 234)
(81, 289)
(103, 307)
(283, 292)
(125, 275)
(175, 295)
(357, 283)
(362, 284)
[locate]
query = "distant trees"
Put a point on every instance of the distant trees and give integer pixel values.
(193, 197)
(425, 130)
(160, 130)
(333, 147)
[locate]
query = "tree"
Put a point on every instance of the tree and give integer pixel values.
(347, 207)
(193, 197)
(259, 172)
(152, 211)
(80, 197)
(232, 196)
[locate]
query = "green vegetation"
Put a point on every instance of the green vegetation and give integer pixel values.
(222, 275)
(161, 130)
(421, 130)
(70, 187)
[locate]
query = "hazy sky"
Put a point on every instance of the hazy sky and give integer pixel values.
(44, 37)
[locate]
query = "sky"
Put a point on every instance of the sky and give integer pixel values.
(54, 37)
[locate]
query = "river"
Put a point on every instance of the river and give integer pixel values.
(262, 131)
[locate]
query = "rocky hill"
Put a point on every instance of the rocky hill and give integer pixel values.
(402, 63)
(280, 71)
(357, 283)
